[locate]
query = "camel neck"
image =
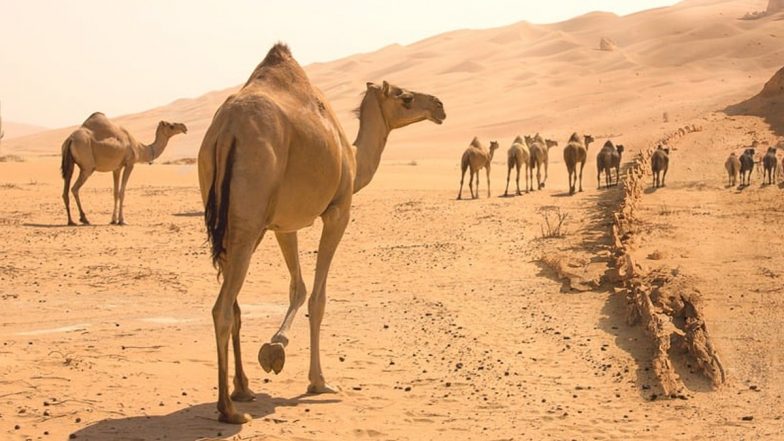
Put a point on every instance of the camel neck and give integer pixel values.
(148, 153)
(371, 140)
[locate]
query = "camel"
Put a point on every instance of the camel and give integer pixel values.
(518, 156)
(103, 146)
(540, 152)
(732, 164)
(576, 150)
(770, 162)
(660, 162)
(608, 158)
(275, 158)
(476, 156)
(746, 166)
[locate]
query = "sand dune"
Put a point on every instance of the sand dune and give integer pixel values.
(709, 57)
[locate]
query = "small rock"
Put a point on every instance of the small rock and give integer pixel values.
(747, 418)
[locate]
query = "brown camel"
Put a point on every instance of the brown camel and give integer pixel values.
(608, 158)
(732, 164)
(576, 150)
(101, 145)
(771, 163)
(660, 162)
(275, 158)
(518, 156)
(746, 166)
(540, 153)
(476, 157)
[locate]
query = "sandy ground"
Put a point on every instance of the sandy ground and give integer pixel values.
(441, 322)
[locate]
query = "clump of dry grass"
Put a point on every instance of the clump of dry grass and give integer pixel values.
(553, 219)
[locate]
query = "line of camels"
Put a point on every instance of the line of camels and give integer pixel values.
(532, 152)
(744, 164)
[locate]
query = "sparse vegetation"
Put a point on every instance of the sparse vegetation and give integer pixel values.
(553, 219)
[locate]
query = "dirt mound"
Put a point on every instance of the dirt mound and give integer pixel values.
(766, 104)
(606, 44)
(774, 88)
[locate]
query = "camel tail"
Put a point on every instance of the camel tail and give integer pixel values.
(216, 212)
(67, 163)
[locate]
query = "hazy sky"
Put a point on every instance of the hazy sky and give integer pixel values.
(61, 60)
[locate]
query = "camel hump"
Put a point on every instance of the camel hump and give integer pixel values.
(279, 53)
(574, 138)
(518, 140)
(279, 67)
(475, 142)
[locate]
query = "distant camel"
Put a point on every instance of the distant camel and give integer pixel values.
(660, 162)
(103, 146)
(518, 156)
(540, 153)
(770, 162)
(576, 150)
(274, 159)
(477, 157)
(608, 158)
(746, 166)
(732, 164)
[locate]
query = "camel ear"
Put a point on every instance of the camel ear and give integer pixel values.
(371, 85)
(385, 88)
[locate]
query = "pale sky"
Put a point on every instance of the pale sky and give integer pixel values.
(61, 60)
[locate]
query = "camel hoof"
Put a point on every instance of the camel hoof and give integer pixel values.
(272, 357)
(84, 221)
(71, 223)
(316, 389)
(122, 223)
(243, 396)
(235, 418)
(113, 222)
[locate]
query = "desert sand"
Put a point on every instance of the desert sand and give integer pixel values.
(442, 322)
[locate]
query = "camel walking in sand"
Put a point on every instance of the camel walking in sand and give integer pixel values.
(103, 146)
(518, 156)
(660, 162)
(746, 166)
(771, 163)
(608, 158)
(476, 157)
(576, 150)
(732, 165)
(540, 153)
(275, 158)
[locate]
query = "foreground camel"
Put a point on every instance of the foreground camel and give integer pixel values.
(746, 166)
(576, 150)
(476, 157)
(540, 153)
(660, 162)
(518, 156)
(770, 162)
(275, 158)
(103, 146)
(732, 164)
(608, 158)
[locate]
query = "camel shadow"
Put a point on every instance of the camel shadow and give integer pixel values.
(33, 225)
(199, 421)
(192, 213)
(564, 194)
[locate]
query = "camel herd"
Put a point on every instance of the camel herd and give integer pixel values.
(744, 165)
(533, 152)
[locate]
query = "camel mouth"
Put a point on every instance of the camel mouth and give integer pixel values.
(437, 120)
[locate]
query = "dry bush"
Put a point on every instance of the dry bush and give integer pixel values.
(553, 219)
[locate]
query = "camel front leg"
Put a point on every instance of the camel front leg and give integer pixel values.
(471, 183)
(116, 179)
(241, 390)
(235, 268)
(508, 175)
(126, 174)
(462, 178)
(335, 220)
(84, 174)
(272, 355)
(488, 180)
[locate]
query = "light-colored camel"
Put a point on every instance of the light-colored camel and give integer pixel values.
(732, 164)
(476, 157)
(103, 146)
(608, 158)
(540, 157)
(576, 150)
(518, 156)
(660, 162)
(275, 158)
(746, 166)
(771, 163)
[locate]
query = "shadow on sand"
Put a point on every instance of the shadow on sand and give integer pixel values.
(199, 421)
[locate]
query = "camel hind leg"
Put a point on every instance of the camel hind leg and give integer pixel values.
(519, 193)
(582, 165)
(66, 197)
(463, 167)
(508, 175)
(539, 183)
(471, 183)
(84, 174)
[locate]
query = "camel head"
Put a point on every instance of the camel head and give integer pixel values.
(168, 129)
(588, 140)
(493, 145)
(402, 107)
(772, 150)
(528, 139)
(619, 148)
(550, 143)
